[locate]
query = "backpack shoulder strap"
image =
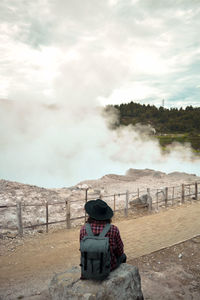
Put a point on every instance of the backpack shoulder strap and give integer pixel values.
(105, 230)
(88, 229)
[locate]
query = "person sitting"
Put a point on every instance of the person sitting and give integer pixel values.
(100, 215)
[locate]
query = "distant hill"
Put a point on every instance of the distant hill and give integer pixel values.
(164, 120)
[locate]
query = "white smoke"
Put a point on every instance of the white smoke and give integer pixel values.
(59, 59)
(55, 146)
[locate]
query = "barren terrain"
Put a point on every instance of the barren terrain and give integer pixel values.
(169, 272)
(27, 264)
(32, 197)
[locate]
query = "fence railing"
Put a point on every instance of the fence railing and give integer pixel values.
(148, 199)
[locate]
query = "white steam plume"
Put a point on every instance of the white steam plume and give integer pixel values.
(55, 145)
(58, 59)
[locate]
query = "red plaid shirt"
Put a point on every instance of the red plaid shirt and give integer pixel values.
(116, 244)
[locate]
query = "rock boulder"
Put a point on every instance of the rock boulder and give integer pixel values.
(123, 283)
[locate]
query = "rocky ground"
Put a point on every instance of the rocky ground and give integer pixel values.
(171, 273)
(27, 263)
(33, 198)
(135, 179)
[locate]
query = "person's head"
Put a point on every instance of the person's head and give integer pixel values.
(98, 210)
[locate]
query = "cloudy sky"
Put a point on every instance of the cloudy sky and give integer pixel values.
(143, 50)
(60, 60)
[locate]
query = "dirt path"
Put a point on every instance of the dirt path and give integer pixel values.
(26, 269)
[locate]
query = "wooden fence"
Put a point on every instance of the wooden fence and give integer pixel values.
(156, 199)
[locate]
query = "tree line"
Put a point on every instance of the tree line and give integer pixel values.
(164, 120)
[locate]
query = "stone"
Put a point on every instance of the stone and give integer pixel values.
(141, 201)
(123, 283)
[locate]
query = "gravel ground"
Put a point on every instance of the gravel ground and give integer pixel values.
(171, 273)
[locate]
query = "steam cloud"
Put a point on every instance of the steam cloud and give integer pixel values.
(59, 145)
(60, 59)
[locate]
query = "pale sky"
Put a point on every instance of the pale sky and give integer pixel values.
(60, 60)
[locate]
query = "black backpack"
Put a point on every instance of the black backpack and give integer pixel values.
(95, 254)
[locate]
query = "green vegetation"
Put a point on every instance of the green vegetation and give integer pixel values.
(181, 138)
(180, 125)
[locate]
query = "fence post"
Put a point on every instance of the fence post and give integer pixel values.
(173, 196)
(126, 204)
(138, 192)
(47, 216)
(196, 191)
(166, 196)
(19, 218)
(157, 200)
(183, 193)
(68, 223)
(114, 202)
(189, 196)
(149, 200)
